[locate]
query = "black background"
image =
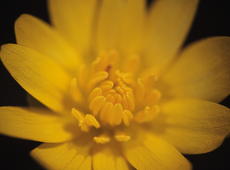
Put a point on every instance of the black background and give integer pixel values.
(212, 19)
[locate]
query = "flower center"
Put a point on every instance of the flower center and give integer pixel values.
(113, 99)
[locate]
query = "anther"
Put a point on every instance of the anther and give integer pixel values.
(97, 78)
(81, 121)
(78, 115)
(106, 85)
(105, 111)
(115, 117)
(102, 139)
(96, 104)
(95, 92)
(91, 121)
(127, 117)
(85, 121)
(121, 136)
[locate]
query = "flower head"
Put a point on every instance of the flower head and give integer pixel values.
(118, 91)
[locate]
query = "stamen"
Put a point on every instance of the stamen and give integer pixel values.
(127, 117)
(106, 85)
(125, 77)
(121, 136)
(96, 78)
(95, 92)
(85, 121)
(96, 104)
(109, 99)
(105, 111)
(80, 117)
(120, 90)
(115, 117)
(118, 98)
(91, 121)
(102, 139)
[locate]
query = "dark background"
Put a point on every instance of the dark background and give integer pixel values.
(212, 19)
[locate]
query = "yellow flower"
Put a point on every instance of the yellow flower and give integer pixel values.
(118, 89)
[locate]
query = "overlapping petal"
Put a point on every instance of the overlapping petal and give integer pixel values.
(202, 71)
(120, 25)
(35, 124)
(168, 24)
(193, 126)
(36, 73)
(74, 19)
(68, 156)
(34, 33)
(151, 152)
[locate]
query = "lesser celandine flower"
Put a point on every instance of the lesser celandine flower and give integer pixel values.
(119, 91)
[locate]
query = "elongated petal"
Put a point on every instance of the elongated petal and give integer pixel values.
(120, 24)
(74, 19)
(193, 126)
(150, 152)
(202, 71)
(168, 24)
(32, 32)
(68, 156)
(37, 74)
(35, 124)
(108, 157)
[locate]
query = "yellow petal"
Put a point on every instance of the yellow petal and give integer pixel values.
(202, 71)
(132, 26)
(37, 74)
(120, 25)
(35, 124)
(68, 156)
(193, 126)
(32, 32)
(167, 26)
(151, 152)
(108, 157)
(74, 19)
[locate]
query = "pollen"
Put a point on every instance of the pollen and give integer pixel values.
(114, 98)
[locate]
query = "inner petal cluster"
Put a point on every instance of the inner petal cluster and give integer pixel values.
(113, 99)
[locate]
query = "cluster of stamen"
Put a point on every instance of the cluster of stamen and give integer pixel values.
(115, 99)
(112, 101)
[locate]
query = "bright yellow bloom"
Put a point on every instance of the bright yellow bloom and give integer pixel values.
(118, 89)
